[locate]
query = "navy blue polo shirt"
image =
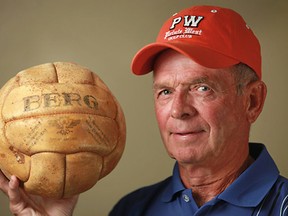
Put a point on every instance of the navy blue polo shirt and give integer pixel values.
(258, 191)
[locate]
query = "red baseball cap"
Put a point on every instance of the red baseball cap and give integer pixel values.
(212, 36)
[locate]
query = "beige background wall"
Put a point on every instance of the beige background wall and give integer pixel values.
(104, 36)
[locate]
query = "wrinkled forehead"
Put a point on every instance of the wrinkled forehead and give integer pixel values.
(172, 69)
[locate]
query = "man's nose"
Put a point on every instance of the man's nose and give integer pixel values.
(182, 106)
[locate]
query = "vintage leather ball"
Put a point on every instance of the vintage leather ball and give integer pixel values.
(61, 129)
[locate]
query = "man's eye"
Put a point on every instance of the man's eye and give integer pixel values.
(203, 88)
(165, 92)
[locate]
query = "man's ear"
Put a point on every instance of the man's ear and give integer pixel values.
(256, 94)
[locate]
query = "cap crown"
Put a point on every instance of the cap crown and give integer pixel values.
(213, 36)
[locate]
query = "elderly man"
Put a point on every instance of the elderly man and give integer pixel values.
(208, 91)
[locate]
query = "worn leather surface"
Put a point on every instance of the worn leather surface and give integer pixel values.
(61, 129)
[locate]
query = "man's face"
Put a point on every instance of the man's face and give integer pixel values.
(200, 116)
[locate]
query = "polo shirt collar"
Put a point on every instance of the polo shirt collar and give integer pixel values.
(248, 190)
(174, 186)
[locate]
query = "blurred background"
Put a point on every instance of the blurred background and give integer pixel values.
(104, 36)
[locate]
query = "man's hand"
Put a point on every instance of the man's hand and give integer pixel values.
(24, 204)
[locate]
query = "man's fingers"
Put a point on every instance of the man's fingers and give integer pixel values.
(16, 202)
(14, 192)
(11, 189)
(3, 183)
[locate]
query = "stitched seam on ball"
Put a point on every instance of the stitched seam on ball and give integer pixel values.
(102, 167)
(11, 145)
(56, 74)
(100, 80)
(117, 112)
(92, 78)
(64, 177)
(118, 125)
(69, 153)
(10, 88)
(55, 114)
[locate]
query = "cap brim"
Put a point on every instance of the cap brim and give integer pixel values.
(143, 61)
